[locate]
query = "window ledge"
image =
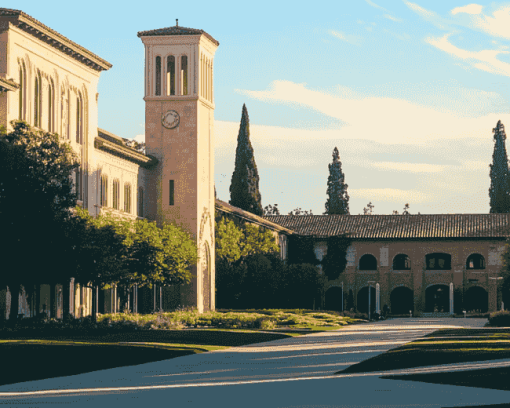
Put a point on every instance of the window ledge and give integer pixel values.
(438, 270)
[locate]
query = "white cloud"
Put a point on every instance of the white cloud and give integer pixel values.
(384, 120)
(420, 10)
(375, 5)
(351, 39)
(140, 138)
(390, 194)
(485, 60)
(469, 9)
(390, 17)
(409, 167)
(498, 25)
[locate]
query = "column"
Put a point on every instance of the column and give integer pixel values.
(377, 299)
(451, 298)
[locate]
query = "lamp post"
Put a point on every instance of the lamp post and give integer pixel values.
(369, 297)
(497, 279)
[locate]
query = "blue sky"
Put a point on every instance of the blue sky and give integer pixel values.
(409, 92)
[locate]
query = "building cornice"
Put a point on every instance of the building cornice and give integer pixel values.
(7, 85)
(124, 152)
(38, 30)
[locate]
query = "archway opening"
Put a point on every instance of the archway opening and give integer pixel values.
(437, 299)
(334, 298)
(401, 299)
(476, 298)
(362, 300)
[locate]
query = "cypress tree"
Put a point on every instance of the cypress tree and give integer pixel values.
(338, 199)
(244, 188)
(499, 193)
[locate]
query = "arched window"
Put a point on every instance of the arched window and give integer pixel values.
(140, 201)
(79, 119)
(367, 263)
(116, 194)
(104, 190)
(22, 91)
(158, 76)
(438, 261)
(170, 75)
(127, 198)
(37, 100)
(51, 107)
(401, 263)
(475, 261)
(184, 75)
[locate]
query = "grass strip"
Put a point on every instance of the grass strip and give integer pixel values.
(422, 353)
(492, 378)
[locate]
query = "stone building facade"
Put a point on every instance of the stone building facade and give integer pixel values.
(51, 82)
(418, 264)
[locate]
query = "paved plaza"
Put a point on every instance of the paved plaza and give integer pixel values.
(292, 372)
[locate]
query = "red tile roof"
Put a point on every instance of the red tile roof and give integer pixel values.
(177, 30)
(398, 226)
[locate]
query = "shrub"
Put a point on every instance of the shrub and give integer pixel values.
(500, 319)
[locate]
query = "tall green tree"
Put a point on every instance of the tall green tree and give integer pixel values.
(244, 188)
(338, 199)
(36, 195)
(335, 261)
(499, 191)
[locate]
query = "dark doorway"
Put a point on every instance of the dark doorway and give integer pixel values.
(363, 300)
(476, 298)
(401, 299)
(437, 299)
(334, 299)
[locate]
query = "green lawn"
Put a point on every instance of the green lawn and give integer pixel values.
(48, 354)
(441, 347)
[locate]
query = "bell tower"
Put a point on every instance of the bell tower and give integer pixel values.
(179, 124)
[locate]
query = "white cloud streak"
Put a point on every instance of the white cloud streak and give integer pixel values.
(485, 60)
(469, 9)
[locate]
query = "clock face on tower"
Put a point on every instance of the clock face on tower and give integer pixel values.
(170, 119)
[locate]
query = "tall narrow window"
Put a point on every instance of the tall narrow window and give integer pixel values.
(37, 101)
(116, 194)
(171, 192)
(104, 191)
(77, 184)
(21, 91)
(158, 76)
(50, 107)
(170, 75)
(184, 75)
(127, 198)
(140, 201)
(79, 119)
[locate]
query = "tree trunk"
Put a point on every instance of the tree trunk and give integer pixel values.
(52, 306)
(13, 314)
(66, 293)
(37, 296)
(94, 304)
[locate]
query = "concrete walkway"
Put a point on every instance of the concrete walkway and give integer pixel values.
(293, 372)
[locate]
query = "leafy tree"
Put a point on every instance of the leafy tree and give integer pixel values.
(301, 250)
(406, 209)
(35, 200)
(299, 211)
(499, 191)
(338, 199)
(271, 210)
(227, 239)
(258, 241)
(368, 209)
(335, 261)
(244, 188)
(303, 283)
